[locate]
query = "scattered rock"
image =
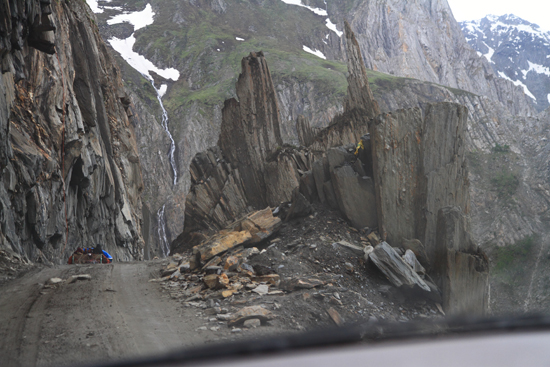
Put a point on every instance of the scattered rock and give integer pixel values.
(53, 281)
(410, 259)
(273, 279)
(168, 271)
(251, 312)
(301, 283)
(261, 225)
(263, 270)
(74, 278)
(393, 267)
(231, 263)
(300, 206)
(261, 289)
(367, 251)
(224, 317)
(214, 281)
(335, 316)
(220, 243)
(357, 250)
(418, 248)
(252, 323)
(373, 238)
(228, 293)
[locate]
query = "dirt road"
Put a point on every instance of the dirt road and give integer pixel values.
(117, 314)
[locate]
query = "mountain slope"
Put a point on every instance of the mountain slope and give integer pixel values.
(516, 50)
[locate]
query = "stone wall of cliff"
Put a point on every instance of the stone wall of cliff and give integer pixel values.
(422, 40)
(70, 169)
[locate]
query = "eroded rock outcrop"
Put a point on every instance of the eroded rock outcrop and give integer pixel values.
(250, 126)
(461, 268)
(249, 169)
(419, 167)
(70, 169)
(397, 179)
(360, 105)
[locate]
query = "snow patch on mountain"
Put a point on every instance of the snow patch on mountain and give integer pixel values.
(519, 83)
(333, 28)
(94, 6)
(539, 69)
(125, 48)
(139, 19)
(314, 52)
(318, 11)
(489, 55)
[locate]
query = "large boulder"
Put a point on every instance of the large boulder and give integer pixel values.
(395, 268)
(353, 190)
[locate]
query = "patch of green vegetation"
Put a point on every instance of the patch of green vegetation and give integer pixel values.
(475, 160)
(459, 92)
(328, 77)
(501, 148)
(505, 183)
(511, 260)
(385, 82)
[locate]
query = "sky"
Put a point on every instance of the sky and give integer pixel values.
(533, 11)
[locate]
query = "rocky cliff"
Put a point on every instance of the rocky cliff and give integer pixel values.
(422, 40)
(71, 174)
(410, 169)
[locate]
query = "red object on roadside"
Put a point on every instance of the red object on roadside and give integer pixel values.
(87, 258)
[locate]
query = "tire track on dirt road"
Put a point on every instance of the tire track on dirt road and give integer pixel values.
(117, 314)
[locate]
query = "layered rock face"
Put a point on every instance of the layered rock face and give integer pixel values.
(249, 168)
(250, 126)
(406, 172)
(70, 169)
(421, 158)
(398, 38)
(456, 256)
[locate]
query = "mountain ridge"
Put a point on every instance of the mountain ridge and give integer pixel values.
(517, 50)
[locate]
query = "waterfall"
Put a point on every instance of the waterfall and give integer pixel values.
(163, 241)
(163, 245)
(160, 92)
(125, 47)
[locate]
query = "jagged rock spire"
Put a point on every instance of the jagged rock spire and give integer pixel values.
(359, 93)
(250, 128)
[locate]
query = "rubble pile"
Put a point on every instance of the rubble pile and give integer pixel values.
(402, 173)
(11, 264)
(306, 272)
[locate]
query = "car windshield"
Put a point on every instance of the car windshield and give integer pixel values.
(185, 179)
